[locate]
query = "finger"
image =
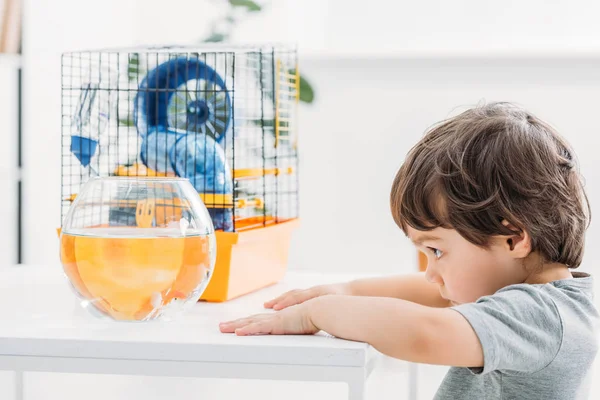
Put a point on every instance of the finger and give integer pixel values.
(271, 303)
(296, 298)
(231, 326)
(255, 328)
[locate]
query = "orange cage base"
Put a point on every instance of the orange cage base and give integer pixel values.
(249, 260)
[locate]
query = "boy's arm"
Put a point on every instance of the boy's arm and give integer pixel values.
(395, 327)
(412, 287)
(400, 329)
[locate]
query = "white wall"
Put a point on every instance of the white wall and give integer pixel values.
(51, 28)
(382, 27)
(462, 26)
(368, 113)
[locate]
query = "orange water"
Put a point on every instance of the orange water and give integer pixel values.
(129, 273)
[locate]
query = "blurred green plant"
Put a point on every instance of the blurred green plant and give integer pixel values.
(250, 5)
(222, 28)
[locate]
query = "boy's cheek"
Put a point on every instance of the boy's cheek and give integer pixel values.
(462, 290)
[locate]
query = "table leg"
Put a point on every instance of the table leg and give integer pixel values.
(356, 390)
(413, 380)
(19, 385)
(356, 381)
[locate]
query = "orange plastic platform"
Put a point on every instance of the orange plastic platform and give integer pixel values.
(249, 260)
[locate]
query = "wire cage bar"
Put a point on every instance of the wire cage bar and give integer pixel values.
(222, 116)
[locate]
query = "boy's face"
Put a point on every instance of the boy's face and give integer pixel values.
(463, 271)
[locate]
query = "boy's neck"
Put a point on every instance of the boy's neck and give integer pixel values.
(549, 273)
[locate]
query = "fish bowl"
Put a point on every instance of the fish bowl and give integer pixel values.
(138, 248)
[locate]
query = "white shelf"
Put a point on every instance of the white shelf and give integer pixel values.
(454, 54)
(9, 174)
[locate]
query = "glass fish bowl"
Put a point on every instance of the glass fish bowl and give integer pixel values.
(137, 248)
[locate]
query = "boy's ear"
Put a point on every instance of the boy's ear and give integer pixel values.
(519, 244)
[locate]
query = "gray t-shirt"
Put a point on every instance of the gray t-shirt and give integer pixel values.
(539, 342)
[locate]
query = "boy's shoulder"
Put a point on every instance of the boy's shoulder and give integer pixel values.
(574, 294)
(534, 321)
(565, 303)
(535, 336)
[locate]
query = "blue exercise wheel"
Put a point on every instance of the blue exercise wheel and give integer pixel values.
(201, 159)
(184, 94)
(156, 148)
(197, 157)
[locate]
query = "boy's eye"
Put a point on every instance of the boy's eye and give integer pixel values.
(436, 252)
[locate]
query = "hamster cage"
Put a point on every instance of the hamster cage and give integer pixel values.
(224, 117)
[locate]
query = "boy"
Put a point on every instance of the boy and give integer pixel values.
(494, 199)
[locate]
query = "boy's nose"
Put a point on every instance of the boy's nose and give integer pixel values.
(432, 275)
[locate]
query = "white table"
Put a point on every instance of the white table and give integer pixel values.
(43, 329)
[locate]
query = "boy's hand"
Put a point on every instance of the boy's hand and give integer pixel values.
(292, 321)
(298, 296)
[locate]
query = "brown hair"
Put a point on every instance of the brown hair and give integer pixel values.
(492, 163)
